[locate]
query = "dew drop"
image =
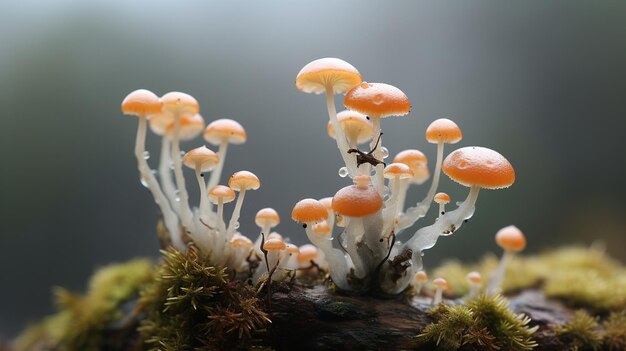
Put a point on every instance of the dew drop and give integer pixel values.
(143, 181)
(378, 99)
(343, 172)
(146, 155)
(385, 151)
(236, 226)
(177, 196)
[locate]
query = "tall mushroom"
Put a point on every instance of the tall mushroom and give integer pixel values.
(222, 132)
(417, 161)
(511, 240)
(377, 100)
(142, 103)
(240, 181)
(356, 127)
(201, 160)
(331, 76)
(396, 173)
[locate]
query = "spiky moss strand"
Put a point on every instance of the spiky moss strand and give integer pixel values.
(193, 305)
(81, 321)
(615, 331)
(579, 276)
(484, 323)
(580, 333)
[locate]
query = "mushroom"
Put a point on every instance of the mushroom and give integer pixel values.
(220, 195)
(356, 127)
(201, 160)
(442, 199)
(440, 284)
(222, 132)
(377, 100)
(180, 104)
(417, 161)
(418, 282)
(354, 203)
(273, 247)
(473, 279)
(240, 181)
(266, 219)
(511, 240)
(440, 132)
(307, 256)
(309, 212)
(142, 103)
(241, 246)
(331, 76)
(396, 173)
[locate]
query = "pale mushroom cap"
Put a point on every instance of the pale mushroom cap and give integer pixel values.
(190, 126)
(399, 170)
(411, 158)
(292, 249)
(442, 198)
(275, 235)
(443, 130)
(420, 174)
(377, 100)
(274, 244)
(202, 157)
(309, 210)
(511, 238)
(357, 201)
(474, 277)
(239, 241)
(221, 191)
(141, 102)
(479, 166)
(225, 129)
(307, 253)
(159, 122)
(329, 71)
(328, 203)
(355, 126)
(244, 180)
(322, 228)
(421, 276)
(267, 216)
(440, 283)
(362, 180)
(180, 103)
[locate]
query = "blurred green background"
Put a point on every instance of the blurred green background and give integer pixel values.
(543, 82)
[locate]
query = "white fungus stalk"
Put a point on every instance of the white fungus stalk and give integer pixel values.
(217, 172)
(354, 233)
(234, 218)
(186, 215)
(165, 172)
(204, 198)
(379, 179)
(342, 144)
(335, 257)
(420, 210)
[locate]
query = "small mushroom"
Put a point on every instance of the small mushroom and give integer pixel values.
(474, 280)
(418, 282)
(511, 240)
(273, 247)
(220, 195)
(440, 284)
(442, 199)
(357, 128)
(240, 181)
(201, 160)
(417, 161)
(222, 132)
(307, 254)
(331, 76)
(396, 173)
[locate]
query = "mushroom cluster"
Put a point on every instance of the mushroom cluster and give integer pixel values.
(175, 117)
(368, 253)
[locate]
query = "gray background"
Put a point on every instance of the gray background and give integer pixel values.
(543, 82)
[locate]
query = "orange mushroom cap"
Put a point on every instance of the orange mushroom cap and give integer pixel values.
(420, 174)
(333, 72)
(355, 126)
(274, 244)
(357, 201)
(160, 121)
(362, 180)
(442, 198)
(202, 157)
(377, 100)
(221, 191)
(479, 166)
(474, 277)
(399, 170)
(411, 158)
(180, 103)
(239, 241)
(267, 216)
(511, 238)
(309, 210)
(225, 129)
(421, 276)
(190, 126)
(322, 228)
(307, 253)
(141, 102)
(443, 130)
(440, 283)
(244, 180)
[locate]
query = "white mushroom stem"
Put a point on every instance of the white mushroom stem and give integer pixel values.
(169, 216)
(337, 261)
(183, 198)
(473, 290)
(265, 230)
(217, 172)
(438, 295)
(204, 197)
(340, 137)
(404, 188)
(497, 277)
(418, 287)
(354, 232)
(420, 210)
(391, 207)
(442, 209)
(234, 218)
(273, 258)
(165, 173)
(220, 215)
(331, 220)
(379, 178)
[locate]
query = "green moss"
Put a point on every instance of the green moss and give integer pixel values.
(81, 319)
(193, 305)
(580, 333)
(615, 331)
(579, 276)
(484, 323)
